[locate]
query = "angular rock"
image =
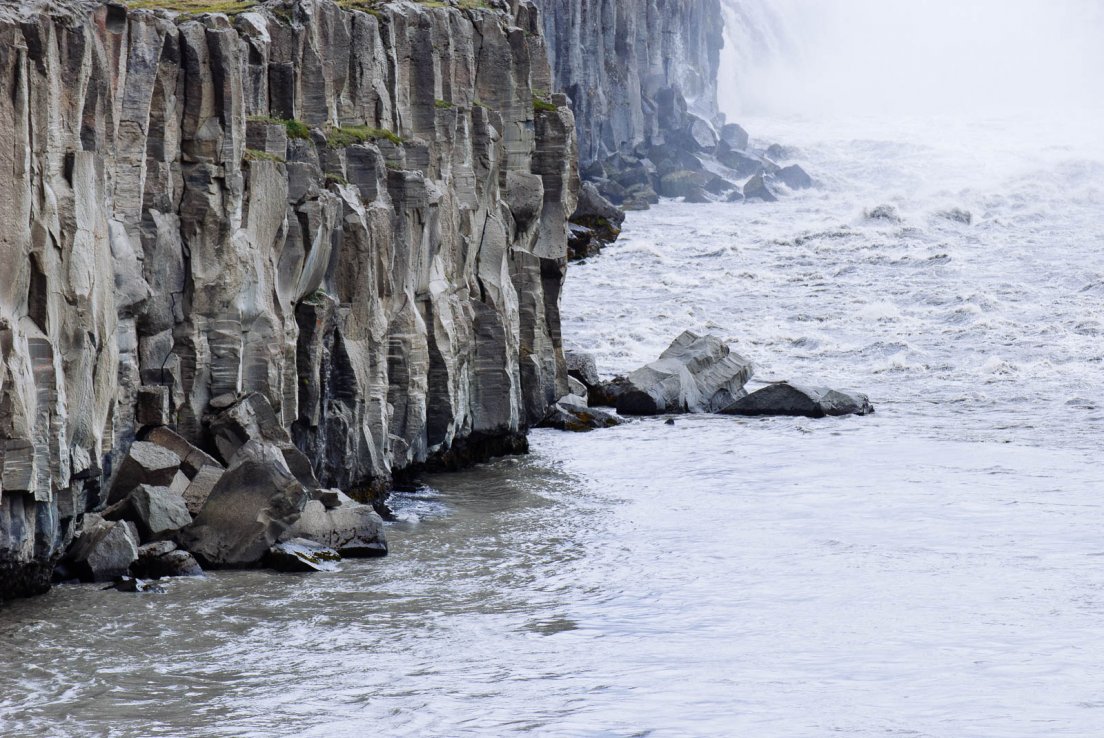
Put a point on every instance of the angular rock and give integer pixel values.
(735, 137)
(743, 164)
(163, 559)
(784, 398)
(136, 586)
(756, 189)
(582, 367)
(157, 511)
(301, 555)
(145, 463)
(350, 528)
(152, 406)
(794, 177)
(192, 458)
(572, 413)
(103, 551)
(253, 504)
(683, 184)
(199, 489)
(577, 388)
(695, 374)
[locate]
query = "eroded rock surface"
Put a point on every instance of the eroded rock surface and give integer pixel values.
(359, 216)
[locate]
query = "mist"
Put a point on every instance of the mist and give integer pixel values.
(970, 57)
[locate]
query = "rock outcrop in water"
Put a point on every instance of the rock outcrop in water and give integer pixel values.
(359, 216)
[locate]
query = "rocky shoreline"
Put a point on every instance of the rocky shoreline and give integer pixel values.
(271, 262)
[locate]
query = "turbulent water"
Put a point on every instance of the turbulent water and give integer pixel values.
(936, 569)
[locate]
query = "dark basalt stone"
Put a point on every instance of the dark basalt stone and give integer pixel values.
(788, 399)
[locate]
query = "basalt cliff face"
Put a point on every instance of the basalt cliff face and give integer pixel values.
(634, 69)
(359, 216)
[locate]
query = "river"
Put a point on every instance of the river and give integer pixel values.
(936, 569)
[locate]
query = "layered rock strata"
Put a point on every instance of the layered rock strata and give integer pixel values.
(360, 216)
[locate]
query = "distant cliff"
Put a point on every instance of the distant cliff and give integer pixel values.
(630, 65)
(359, 214)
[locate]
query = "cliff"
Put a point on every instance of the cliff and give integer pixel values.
(632, 69)
(357, 213)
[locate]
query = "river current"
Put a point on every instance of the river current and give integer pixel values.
(936, 569)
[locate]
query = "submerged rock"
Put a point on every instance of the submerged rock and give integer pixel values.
(164, 559)
(301, 555)
(695, 374)
(136, 585)
(784, 398)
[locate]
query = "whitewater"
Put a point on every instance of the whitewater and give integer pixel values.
(933, 570)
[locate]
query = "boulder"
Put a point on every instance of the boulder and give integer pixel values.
(683, 183)
(571, 413)
(199, 488)
(350, 528)
(301, 555)
(743, 164)
(735, 137)
(794, 177)
(103, 551)
(756, 189)
(157, 511)
(577, 388)
(670, 158)
(253, 504)
(700, 135)
(192, 459)
(784, 398)
(525, 197)
(695, 374)
(592, 207)
(778, 152)
(887, 213)
(582, 367)
(605, 394)
(164, 559)
(145, 463)
(250, 418)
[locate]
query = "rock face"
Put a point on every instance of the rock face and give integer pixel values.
(633, 67)
(695, 374)
(360, 216)
(784, 398)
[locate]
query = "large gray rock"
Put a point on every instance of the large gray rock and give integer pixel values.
(756, 189)
(695, 374)
(734, 136)
(103, 551)
(158, 511)
(251, 507)
(192, 458)
(350, 528)
(163, 559)
(145, 463)
(784, 398)
(794, 177)
(582, 367)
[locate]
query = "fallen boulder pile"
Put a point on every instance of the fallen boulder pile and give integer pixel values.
(174, 509)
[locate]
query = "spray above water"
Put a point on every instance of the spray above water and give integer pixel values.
(861, 57)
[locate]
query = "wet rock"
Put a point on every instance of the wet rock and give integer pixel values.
(350, 528)
(756, 189)
(254, 502)
(743, 164)
(958, 215)
(778, 152)
(605, 394)
(103, 551)
(301, 555)
(577, 388)
(784, 398)
(701, 135)
(734, 136)
(794, 177)
(572, 413)
(695, 374)
(595, 223)
(163, 559)
(145, 463)
(885, 213)
(683, 184)
(136, 586)
(582, 366)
